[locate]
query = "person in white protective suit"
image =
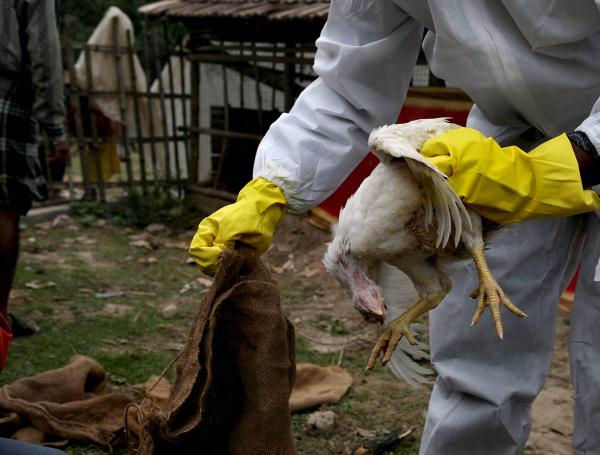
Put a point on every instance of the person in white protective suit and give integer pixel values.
(533, 71)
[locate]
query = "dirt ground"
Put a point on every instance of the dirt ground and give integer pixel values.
(125, 297)
(552, 412)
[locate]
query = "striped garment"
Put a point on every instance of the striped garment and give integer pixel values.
(21, 175)
(31, 94)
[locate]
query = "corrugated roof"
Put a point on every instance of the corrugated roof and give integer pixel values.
(269, 9)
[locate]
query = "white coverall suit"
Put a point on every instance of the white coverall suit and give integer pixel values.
(528, 65)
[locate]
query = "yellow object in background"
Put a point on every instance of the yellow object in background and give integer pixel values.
(507, 185)
(109, 162)
(251, 220)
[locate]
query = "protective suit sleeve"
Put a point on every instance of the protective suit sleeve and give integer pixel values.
(591, 127)
(507, 185)
(251, 221)
(365, 59)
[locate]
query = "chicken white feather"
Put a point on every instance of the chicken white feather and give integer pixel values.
(403, 141)
(388, 221)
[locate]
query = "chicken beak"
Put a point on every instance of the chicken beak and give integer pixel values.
(372, 311)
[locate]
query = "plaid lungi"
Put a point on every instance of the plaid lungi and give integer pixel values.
(21, 175)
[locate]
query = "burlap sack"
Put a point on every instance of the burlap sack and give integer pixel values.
(316, 385)
(66, 403)
(236, 372)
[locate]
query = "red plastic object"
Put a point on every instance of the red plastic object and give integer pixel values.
(5, 339)
(573, 284)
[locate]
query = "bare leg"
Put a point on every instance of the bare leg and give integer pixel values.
(432, 285)
(9, 253)
(489, 291)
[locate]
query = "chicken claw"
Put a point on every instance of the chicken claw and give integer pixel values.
(490, 294)
(390, 338)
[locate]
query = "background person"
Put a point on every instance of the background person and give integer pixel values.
(31, 94)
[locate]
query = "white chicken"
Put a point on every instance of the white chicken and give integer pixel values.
(405, 214)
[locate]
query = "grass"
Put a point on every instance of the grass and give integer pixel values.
(74, 320)
(131, 339)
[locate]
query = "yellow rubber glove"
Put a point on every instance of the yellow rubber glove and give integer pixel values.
(251, 220)
(507, 185)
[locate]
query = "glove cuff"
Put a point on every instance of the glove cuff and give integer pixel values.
(583, 142)
(267, 190)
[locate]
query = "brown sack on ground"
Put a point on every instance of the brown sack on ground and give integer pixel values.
(316, 385)
(67, 403)
(235, 374)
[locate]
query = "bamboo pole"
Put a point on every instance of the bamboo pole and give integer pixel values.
(211, 192)
(123, 183)
(225, 133)
(173, 117)
(195, 121)
(69, 167)
(130, 93)
(94, 147)
(150, 111)
(224, 140)
(259, 102)
(236, 58)
(241, 73)
(136, 110)
(145, 140)
(273, 68)
(74, 100)
(163, 108)
(184, 102)
(245, 46)
(122, 105)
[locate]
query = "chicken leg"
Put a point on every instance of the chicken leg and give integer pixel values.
(489, 291)
(432, 285)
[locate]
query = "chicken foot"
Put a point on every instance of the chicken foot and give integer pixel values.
(489, 292)
(399, 327)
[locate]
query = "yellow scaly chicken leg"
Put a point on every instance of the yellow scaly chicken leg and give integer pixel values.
(490, 293)
(400, 327)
